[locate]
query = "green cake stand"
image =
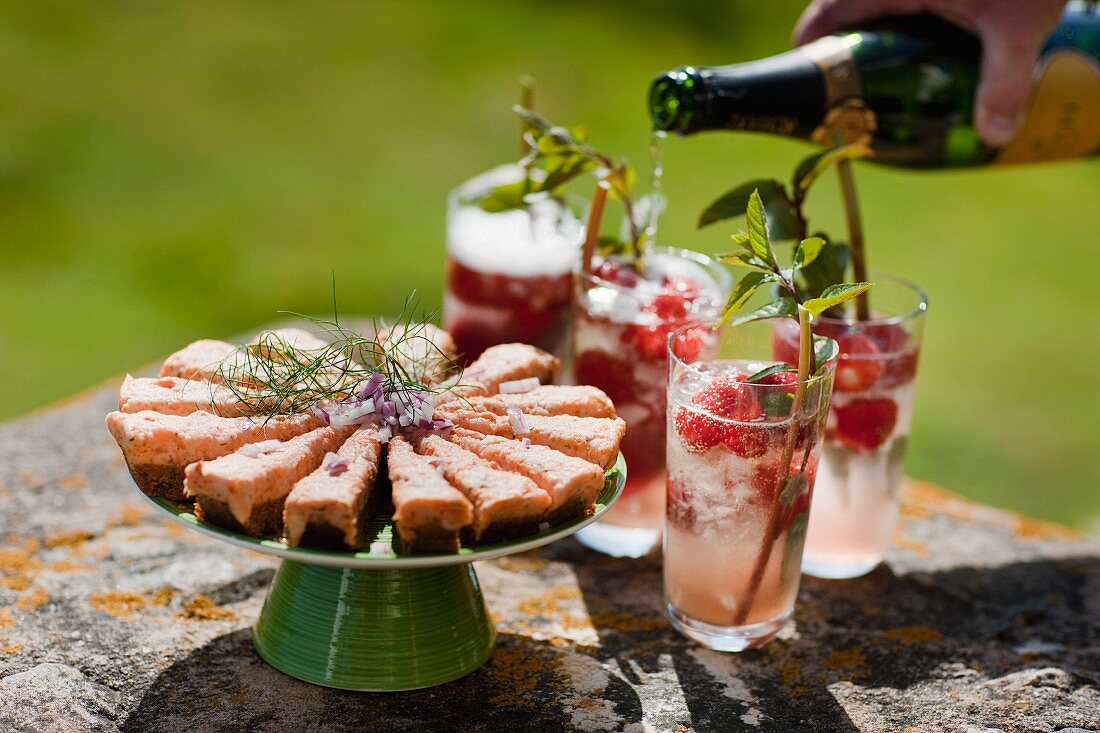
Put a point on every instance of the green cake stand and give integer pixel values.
(379, 621)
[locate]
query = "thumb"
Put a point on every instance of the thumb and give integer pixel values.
(1007, 69)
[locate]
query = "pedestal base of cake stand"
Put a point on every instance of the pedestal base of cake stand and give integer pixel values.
(377, 630)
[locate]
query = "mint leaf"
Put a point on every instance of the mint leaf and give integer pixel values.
(825, 350)
(835, 295)
(561, 169)
(505, 197)
(807, 251)
(777, 404)
(758, 232)
(768, 371)
(794, 487)
(812, 167)
(744, 290)
(792, 548)
(780, 307)
(732, 204)
(828, 268)
(622, 179)
(746, 260)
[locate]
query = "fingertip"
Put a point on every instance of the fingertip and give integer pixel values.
(996, 128)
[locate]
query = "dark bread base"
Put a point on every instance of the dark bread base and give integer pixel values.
(159, 480)
(512, 529)
(575, 508)
(265, 519)
(432, 539)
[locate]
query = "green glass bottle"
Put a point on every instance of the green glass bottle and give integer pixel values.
(905, 86)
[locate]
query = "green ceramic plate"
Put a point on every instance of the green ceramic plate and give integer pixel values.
(382, 530)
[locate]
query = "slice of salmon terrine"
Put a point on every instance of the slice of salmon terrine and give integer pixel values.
(506, 363)
(158, 447)
(245, 491)
(176, 396)
(200, 360)
(331, 506)
(286, 342)
(572, 483)
(429, 513)
(427, 352)
(580, 400)
(506, 504)
(595, 439)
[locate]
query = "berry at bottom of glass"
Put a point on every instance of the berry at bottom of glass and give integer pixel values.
(862, 464)
(622, 319)
(741, 471)
(509, 273)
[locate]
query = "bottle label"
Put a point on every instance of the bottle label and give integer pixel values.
(847, 116)
(1063, 118)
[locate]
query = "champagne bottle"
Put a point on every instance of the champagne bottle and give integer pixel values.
(905, 86)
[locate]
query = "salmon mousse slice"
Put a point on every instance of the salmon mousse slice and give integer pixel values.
(200, 360)
(581, 401)
(158, 447)
(572, 483)
(429, 512)
(506, 504)
(245, 491)
(506, 363)
(595, 439)
(331, 506)
(176, 396)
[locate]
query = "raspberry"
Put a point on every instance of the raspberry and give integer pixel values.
(727, 398)
(611, 374)
(670, 306)
(858, 367)
(863, 425)
(649, 342)
(698, 430)
(679, 511)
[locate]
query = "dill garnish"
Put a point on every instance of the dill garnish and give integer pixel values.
(274, 376)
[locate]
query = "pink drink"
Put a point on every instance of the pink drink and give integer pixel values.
(736, 518)
(862, 463)
(509, 273)
(621, 327)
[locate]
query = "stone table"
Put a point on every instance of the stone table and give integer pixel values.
(113, 618)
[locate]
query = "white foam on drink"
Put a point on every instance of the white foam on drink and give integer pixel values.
(625, 305)
(543, 239)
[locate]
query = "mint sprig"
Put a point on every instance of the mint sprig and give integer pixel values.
(784, 212)
(757, 255)
(558, 156)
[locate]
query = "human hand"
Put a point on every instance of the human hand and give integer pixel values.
(1011, 31)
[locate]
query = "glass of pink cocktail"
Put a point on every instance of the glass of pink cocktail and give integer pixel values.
(862, 463)
(622, 321)
(742, 458)
(509, 273)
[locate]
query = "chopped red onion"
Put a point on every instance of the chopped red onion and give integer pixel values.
(246, 423)
(255, 450)
(526, 442)
(321, 413)
(519, 386)
(380, 548)
(515, 417)
(334, 464)
(372, 385)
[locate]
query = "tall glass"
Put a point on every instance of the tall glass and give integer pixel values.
(863, 461)
(621, 326)
(509, 273)
(742, 459)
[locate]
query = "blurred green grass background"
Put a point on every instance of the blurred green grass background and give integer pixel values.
(171, 171)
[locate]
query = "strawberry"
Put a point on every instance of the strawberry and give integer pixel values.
(685, 285)
(698, 430)
(690, 343)
(749, 441)
(765, 481)
(728, 398)
(900, 368)
(614, 272)
(611, 374)
(864, 424)
(859, 366)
